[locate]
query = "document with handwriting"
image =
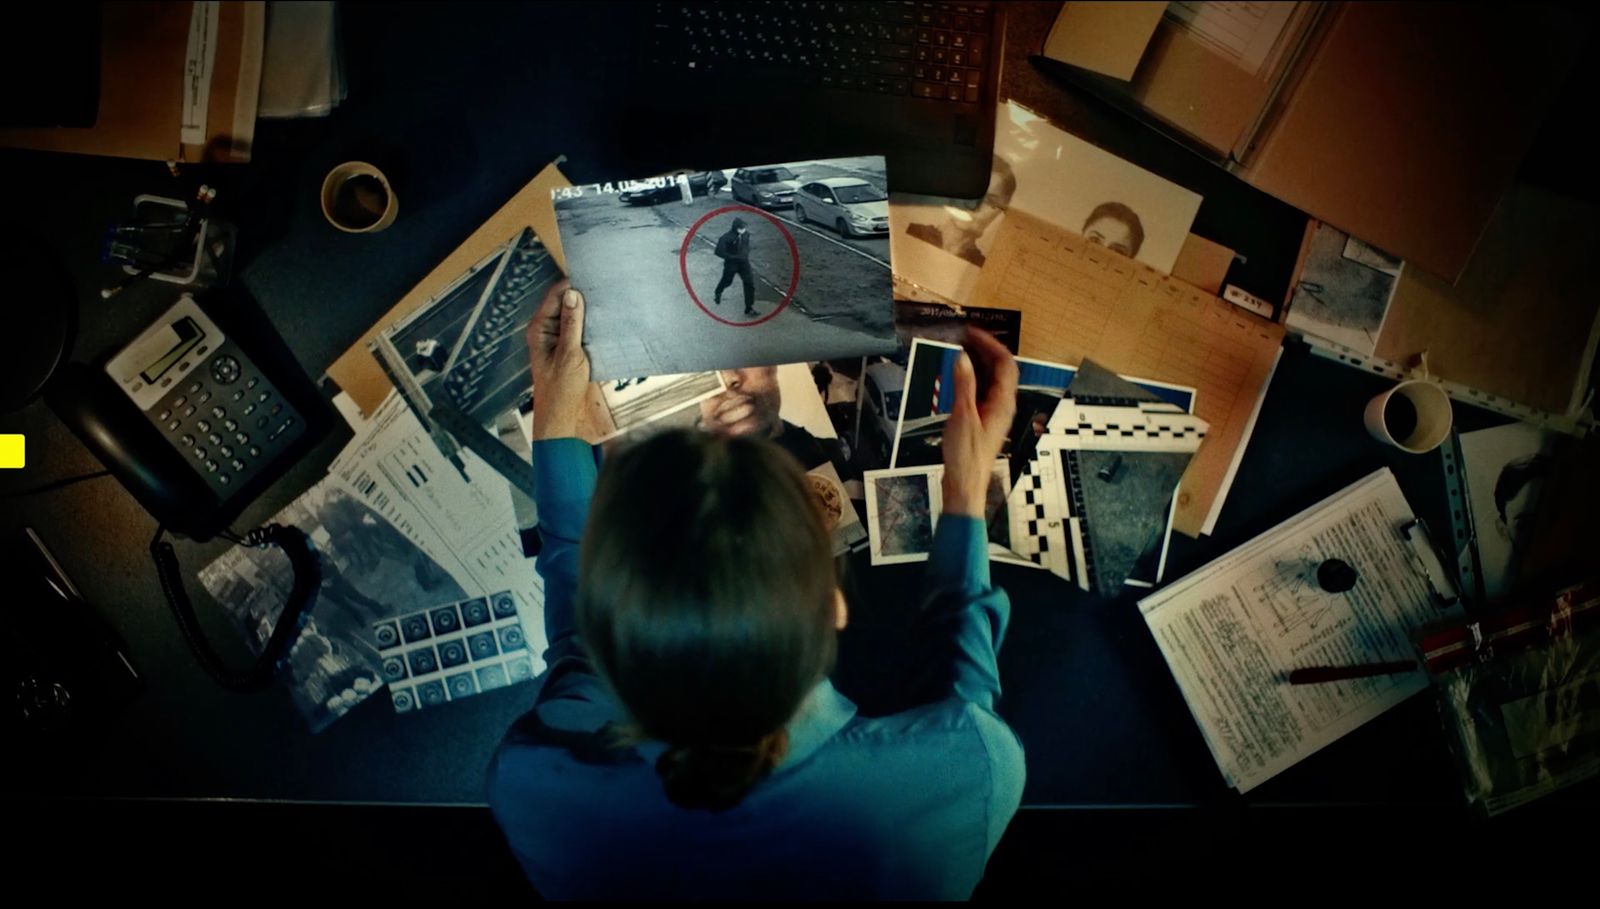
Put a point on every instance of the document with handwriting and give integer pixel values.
(1232, 631)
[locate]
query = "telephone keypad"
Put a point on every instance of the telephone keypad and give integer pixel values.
(231, 457)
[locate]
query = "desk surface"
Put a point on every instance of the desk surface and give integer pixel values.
(461, 105)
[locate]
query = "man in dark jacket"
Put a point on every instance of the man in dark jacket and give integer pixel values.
(734, 251)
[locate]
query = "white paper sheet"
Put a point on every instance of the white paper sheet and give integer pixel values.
(466, 524)
(1233, 630)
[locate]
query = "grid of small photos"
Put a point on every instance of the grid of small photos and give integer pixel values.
(453, 651)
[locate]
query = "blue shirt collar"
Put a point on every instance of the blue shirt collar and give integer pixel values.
(821, 716)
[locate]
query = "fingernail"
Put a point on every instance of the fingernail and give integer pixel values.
(571, 298)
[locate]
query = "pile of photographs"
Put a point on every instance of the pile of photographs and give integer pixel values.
(452, 651)
(1133, 435)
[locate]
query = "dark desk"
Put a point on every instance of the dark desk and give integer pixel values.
(461, 105)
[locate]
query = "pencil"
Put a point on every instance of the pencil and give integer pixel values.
(1312, 675)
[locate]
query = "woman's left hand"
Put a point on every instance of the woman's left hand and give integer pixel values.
(560, 365)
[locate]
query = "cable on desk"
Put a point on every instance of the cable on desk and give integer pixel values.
(307, 578)
(56, 484)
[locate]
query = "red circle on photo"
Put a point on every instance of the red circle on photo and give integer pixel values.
(794, 258)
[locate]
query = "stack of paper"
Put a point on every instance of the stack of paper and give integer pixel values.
(1232, 631)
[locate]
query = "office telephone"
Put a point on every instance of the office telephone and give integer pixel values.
(186, 419)
(194, 427)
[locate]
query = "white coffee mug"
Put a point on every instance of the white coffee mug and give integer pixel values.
(1389, 416)
(357, 198)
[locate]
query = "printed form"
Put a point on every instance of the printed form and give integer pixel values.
(1232, 631)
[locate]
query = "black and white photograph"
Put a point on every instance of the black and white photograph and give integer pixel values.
(941, 245)
(370, 573)
(1505, 469)
(467, 347)
(771, 264)
(452, 651)
(1344, 290)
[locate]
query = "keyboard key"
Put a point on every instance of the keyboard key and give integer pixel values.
(971, 94)
(953, 93)
(194, 387)
(230, 425)
(262, 397)
(940, 55)
(180, 400)
(218, 413)
(254, 452)
(186, 440)
(973, 75)
(204, 397)
(214, 439)
(224, 479)
(941, 39)
(202, 425)
(919, 72)
(243, 438)
(974, 57)
(955, 74)
(173, 426)
(188, 411)
(924, 36)
(958, 58)
(164, 416)
(250, 408)
(236, 464)
(239, 395)
(925, 90)
(938, 74)
(958, 40)
(262, 423)
(200, 454)
(211, 466)
(225, 451)
(901, 86)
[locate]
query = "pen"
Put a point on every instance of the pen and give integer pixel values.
(1315, 674)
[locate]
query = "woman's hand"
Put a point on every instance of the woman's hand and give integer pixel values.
(976, 430)
(560, 365)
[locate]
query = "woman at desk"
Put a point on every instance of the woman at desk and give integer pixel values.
(685, 740)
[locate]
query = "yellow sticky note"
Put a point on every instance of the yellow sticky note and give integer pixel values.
(11, 450)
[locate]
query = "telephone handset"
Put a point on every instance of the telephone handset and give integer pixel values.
(186, 419)
(194, 428)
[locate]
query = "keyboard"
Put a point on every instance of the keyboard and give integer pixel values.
(935, 51)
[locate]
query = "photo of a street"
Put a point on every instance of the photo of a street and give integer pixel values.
(748, 230)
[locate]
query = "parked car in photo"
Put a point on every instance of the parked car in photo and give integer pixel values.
(849, 205)
(881, 389)
(700, 184)
(767, 187)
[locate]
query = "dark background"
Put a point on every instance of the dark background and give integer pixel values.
(461, 105)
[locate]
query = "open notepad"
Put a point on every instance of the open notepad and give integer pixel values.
(1232, 631)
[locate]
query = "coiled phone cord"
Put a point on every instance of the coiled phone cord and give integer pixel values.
(307, 578)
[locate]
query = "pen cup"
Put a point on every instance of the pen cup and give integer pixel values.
(1413, 416)
(357, 198)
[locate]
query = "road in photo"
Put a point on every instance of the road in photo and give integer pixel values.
(632, 263)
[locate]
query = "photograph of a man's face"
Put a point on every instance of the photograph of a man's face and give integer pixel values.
(1505, 470)
(941, 244)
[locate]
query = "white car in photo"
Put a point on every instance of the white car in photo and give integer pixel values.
(851, 206)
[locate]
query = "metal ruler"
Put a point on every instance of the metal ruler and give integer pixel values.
(485, 445)
(1575, 424)
(1463, 533)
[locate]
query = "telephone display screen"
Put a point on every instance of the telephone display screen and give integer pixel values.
(185, 334)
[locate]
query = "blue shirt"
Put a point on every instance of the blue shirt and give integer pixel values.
(908, 806)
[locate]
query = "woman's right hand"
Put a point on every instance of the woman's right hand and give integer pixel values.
(980, 418)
